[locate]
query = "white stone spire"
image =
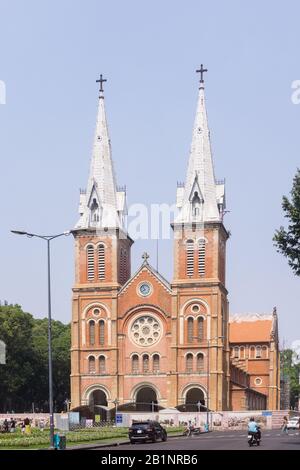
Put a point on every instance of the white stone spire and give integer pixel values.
(201, 198)
(101, 205)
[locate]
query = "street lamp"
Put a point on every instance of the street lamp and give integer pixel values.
(116, 402)
(209, 340)
(48, 239)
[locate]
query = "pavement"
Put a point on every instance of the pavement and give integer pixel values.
(216, 440)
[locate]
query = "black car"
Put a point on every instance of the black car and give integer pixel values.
(146, 431)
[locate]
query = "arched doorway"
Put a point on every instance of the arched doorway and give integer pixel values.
(195, 399)
(98, 404)
(146, 399)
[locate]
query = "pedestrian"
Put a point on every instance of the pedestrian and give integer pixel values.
(42, 425)
(12, 425)
(5, 425)
(27, 426)
(284, 428)
(23, 427)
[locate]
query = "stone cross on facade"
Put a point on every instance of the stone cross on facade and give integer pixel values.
(145, 257)
(101, 81)
(201, 71)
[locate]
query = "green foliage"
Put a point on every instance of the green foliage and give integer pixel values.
(24, 377)
(290, 371)
(287, 240)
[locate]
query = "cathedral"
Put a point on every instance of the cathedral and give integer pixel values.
(141, 342)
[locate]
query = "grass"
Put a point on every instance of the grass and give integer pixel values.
(40, 440)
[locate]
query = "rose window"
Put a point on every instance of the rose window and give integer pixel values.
(145, 331)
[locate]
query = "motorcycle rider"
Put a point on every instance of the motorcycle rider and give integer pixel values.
(253, 428)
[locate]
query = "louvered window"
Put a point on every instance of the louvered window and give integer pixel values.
(92, 332)
(102, 368)
(200, 328)
(101, 332)
(190, 257)
(90, 263)
(190, 330)
(201, 257)
(101, 262)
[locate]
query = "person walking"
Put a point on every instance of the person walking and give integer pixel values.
(284, 428)
(27, 426)
(5, 425)
(12, 425)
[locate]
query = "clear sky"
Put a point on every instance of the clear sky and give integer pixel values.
(51, 54)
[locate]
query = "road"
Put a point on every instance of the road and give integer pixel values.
(232, 440)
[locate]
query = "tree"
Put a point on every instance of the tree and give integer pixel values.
(291, 371)
(287, 240)
(24, 378)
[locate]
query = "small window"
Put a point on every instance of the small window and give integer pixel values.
(90, 263)
(236, 352)
(92, 365)
(189, 363)
(258, 381)
(101, 262)
(200, 362)
(145, 363)
(258, 352)
(92, 332)
(102, 367)
(200, 328)
(135, 364)
(242, 352)
(156, 363)
(190, 329)
(101, 332)
(201, 257)
(190, 257)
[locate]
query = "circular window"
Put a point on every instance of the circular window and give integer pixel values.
(96, 311)
(145, 330)
(258, 381)
(195, 308)
(144, 289)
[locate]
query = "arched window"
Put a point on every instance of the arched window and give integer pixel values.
(242, 352)
(236, 352)
(135, 364)
(190, 257)
(190, 329)
(252, 352)
(101, 332)
(155, 363)
(200, 328)
(196, 204)
(92, 332)
(92, 366)
(264, 352)
(200, 362)
(102, 365)
(258, 352)
(90, 263)
(201, 257)
(145, 363)
(189, 363)
(101, 262)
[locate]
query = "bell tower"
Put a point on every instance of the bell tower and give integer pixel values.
(102, 266)
(199, 284)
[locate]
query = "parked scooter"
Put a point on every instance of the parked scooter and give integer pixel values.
(254, 438)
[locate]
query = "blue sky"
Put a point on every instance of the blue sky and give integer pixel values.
(51, 54)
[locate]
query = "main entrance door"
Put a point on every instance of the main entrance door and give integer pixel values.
(146, 399)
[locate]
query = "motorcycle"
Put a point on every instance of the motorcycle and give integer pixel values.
(254, 438)
(192, 431)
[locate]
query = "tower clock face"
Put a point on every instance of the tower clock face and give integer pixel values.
(145, 289)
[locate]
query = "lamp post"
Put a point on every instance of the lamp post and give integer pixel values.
(209, 340)
(48, 239)
(116, 402)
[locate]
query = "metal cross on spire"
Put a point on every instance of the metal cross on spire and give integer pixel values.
(145, 257)
(201, 71)
(101, 81)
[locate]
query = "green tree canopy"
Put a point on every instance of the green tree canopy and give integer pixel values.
(287, 240)
(24, 377)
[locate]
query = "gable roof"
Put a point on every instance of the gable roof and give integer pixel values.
(146, 266)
